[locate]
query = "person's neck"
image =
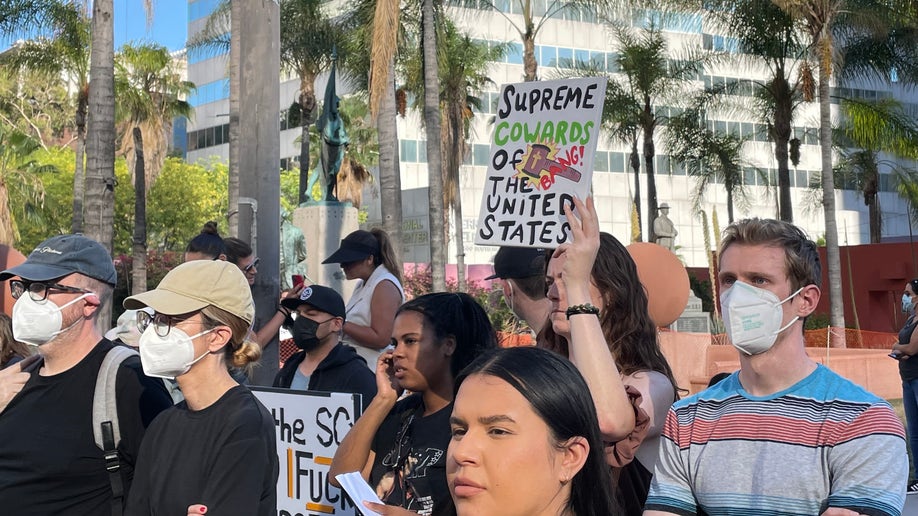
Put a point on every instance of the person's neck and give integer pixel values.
(435, 398)
(67, 349)
(777, 369)
(316, 356)
(206, 383)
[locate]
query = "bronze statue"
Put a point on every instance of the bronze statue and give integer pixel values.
(334, 143)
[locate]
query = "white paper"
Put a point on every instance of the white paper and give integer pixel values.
(358, 489)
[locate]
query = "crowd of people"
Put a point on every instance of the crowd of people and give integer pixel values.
(589, 422)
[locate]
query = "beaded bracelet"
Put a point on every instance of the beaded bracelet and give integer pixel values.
(586, 308)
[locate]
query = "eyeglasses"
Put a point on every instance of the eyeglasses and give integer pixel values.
(38, 291)
(251, 266)
(162, 323)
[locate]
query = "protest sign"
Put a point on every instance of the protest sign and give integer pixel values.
(310, 426)
(542, 149)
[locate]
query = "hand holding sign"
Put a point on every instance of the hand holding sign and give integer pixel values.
(581, 252)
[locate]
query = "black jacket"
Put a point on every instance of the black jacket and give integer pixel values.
(343, 370)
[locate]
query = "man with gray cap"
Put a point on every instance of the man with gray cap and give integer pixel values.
(49, 461)
(323, 362)
(522, 271)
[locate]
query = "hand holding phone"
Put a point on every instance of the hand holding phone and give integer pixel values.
(297, 280)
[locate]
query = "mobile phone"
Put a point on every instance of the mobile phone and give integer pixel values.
(897, 356)
(297, 280)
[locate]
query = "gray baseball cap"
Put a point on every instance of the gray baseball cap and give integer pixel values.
(61, 255)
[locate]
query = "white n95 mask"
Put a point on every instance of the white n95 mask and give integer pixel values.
(169, 356)
(37, 322)
(752, 317)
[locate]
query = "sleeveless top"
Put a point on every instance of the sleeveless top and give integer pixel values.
(908, 369)
(358, 309)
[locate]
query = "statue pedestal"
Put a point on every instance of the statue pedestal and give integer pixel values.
(324, 225)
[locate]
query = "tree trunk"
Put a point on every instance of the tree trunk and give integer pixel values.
(100, 144)
(307, 102)
(79, 176)
(730, 205)
(434, 164)
(530, 65)
(232, 210)
(139, 265)
(781, 134)
(870, 188)
(836, 302)
(452, 140)
(635, 161)
(390, 181)
(649, 152)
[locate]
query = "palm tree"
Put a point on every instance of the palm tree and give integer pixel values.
(463, 66)
(876, 39)
(533, 20)
(375, 30)
(708, 156)
(767, 36)
(150, 94)
(65, 53)
(19, 169)
(309, 39)
(435, 211)
(870, 128)
(650, 77)
(621, 115)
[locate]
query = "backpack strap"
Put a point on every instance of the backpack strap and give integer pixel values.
(105, 428)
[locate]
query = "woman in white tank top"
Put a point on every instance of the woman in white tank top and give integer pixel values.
(368, 256)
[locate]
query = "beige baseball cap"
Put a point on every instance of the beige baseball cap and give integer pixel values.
(193, 285)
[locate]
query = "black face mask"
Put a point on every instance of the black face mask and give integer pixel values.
(304, 333)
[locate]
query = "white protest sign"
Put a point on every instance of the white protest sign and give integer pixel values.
(542, 150)
(310, 426)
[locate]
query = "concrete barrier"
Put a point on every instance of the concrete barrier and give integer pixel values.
(695, 360)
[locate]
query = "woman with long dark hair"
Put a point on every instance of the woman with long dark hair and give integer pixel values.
(599, 304)
(525, 440)
(399, 446)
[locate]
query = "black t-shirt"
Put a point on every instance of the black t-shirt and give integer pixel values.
(410, 465)
(223, 456)
(49, 462)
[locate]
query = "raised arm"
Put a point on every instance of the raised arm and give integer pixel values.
(588, 349)
(355, 453)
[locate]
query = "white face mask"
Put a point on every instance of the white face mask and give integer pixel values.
(37, 322)
(906, 303)
(169, 356)
(752, 317)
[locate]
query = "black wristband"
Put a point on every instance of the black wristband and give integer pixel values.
(586, 308)
(284, 310)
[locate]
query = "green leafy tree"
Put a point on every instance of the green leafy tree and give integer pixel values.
(19, 181)
(182, 199)
(63, 54)
(869, 129)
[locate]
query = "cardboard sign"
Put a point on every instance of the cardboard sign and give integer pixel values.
(542, 150)
(310, 426)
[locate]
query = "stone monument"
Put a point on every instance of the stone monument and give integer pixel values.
(663, 228)
(693, 319)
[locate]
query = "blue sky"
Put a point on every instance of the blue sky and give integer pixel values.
(169, 28)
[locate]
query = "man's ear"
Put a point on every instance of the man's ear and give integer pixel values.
(574, 455)
(337, 324)
(93, 302)
(808, 298)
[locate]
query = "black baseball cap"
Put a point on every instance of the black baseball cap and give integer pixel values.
(354, 247)
(61, 255)
(518, 262)
(320, 298)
